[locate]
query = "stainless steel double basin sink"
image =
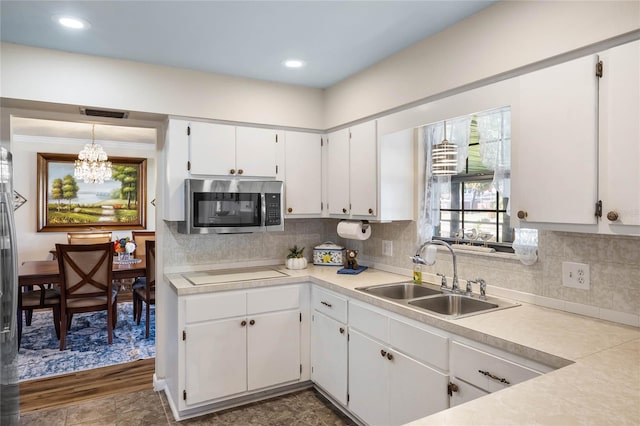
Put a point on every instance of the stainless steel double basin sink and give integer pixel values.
(434, 301)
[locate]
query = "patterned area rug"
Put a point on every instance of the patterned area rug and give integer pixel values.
(86, 345)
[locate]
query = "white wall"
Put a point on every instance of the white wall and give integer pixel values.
(44, 75)
(33, 245)
(499, 39)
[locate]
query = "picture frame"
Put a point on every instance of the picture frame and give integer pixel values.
(117, 204)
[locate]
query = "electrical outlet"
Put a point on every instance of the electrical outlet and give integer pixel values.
(576, 275)
(387, 248)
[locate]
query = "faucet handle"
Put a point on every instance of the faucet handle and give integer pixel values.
(469, 290)
(443, 281)
(483, 288)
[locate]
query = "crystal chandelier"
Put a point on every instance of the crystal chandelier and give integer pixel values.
(92, 165)
(444, 157)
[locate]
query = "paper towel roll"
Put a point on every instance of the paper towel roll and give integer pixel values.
(430, 258)
(354, 230)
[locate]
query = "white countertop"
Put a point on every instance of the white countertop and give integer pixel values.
(601, 386)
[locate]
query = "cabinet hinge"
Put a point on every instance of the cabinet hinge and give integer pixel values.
(348, 337)
(349, 135)
(276, 138)
(321, 142)
(599, 208)
(311, 369)
(599, 69)
(300, 369)
(300, 316)
(313, 318)
(188, 130)
(184, 395)
(321, 206)
(188, 165)
(184, 335)
(347, 397)
(276, 169)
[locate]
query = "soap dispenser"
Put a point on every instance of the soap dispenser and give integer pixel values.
(417, 273)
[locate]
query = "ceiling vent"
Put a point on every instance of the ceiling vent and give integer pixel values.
(104, 113)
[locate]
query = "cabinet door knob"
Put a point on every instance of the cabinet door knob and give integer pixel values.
(370, 211)
(383, 353)
(232, 171)
(344, 210)
(613, 215)
(243, 323)
(451, 388)
(289, 210)
(240, 171)
(522, 214)
(252, 322)
(341, 330)
(389, 356)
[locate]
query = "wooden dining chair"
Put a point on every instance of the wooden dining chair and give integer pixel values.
(147, 294)
(88, 237)
(86, 284)
(140, 238)
(42, 298)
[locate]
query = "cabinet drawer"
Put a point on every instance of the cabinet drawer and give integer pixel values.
(215, 306)
(273, 299)
(368, 321)
(420, 344)
(329, 304)
(475, 366)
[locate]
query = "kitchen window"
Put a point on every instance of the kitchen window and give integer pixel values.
(472, 206)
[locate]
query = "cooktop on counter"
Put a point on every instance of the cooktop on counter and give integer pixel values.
(231, 275)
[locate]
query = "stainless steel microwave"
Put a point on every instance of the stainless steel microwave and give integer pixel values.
(232, 206)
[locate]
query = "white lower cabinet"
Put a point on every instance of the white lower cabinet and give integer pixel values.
(389, 383)
(238, 342)
(476, 372)
(329, 343)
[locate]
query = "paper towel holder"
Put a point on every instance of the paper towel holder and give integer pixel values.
(365, 224)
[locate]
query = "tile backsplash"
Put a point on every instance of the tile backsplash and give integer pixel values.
(614, 260)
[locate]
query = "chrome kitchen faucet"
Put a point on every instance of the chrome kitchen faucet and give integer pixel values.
(455, 287)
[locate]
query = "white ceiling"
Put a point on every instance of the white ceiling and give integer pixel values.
(243, 38)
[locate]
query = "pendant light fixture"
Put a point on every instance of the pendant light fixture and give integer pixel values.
(444, 157)
(92, 164)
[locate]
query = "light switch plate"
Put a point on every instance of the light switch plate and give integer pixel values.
(576, 275)
(387, 248)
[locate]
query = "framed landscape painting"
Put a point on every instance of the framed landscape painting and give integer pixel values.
(69, 204)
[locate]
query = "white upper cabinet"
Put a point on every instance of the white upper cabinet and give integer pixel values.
(212, 148)
(303, 174)
(554, 149)
(363, 178)
(370, 177)
(256, 152)
(222, 150)
(576, 145)
(620, 139)
(338, 172)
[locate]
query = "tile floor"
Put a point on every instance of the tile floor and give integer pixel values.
(147, 407)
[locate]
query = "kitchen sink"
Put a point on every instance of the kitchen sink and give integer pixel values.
(453, 304)
(400, 291)
(429, 298)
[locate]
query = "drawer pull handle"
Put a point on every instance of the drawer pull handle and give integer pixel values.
(383, 353)
(341, 330)
(494, 377)
(252, 322)
(389, 356)
(328, 305)
(243, 323)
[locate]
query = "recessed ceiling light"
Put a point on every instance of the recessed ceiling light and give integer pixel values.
(71, 22)
(293, 63)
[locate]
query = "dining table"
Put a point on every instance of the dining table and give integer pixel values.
(39, 272)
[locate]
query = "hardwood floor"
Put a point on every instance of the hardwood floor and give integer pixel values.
(66, 389)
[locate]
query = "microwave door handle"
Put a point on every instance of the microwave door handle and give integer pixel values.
(263, 210)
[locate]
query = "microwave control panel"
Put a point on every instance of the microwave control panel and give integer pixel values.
(273, 209)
